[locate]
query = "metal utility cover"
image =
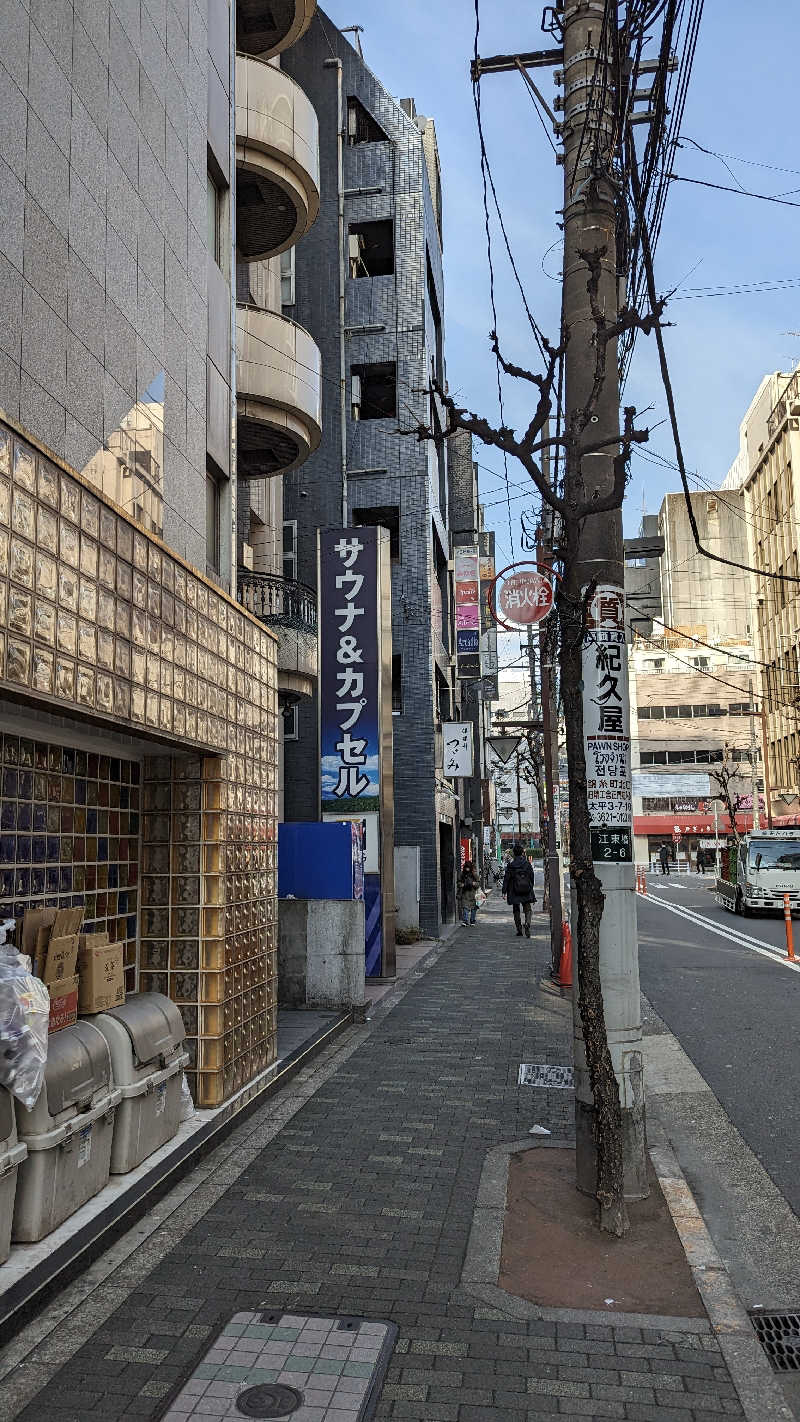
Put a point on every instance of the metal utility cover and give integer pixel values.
(561, 1077)
(779, 1336)
(288, 1365)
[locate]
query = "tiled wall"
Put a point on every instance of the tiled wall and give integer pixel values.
(100, 623)
(69, 835)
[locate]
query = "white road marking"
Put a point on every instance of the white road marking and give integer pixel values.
(741, 940)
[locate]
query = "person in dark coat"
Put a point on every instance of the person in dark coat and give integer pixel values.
(663, 855)
(518, 889)
(469, 894)
(701, 861)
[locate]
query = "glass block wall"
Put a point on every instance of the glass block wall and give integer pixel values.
(102, 624)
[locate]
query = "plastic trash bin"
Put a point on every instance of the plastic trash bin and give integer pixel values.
(68, 1133)
(145, 1037)
(12, 1153)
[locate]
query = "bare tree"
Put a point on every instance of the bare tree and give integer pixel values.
(722, 778)
(577, 499)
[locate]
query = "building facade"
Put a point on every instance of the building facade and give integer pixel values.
(138, 698)
(366, 282)
(765, 480)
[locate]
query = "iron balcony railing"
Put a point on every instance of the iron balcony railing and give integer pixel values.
(278, 602)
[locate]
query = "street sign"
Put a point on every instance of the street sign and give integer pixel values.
(521, 595)
(503, 746)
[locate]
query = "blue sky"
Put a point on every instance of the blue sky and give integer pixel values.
(742, 101)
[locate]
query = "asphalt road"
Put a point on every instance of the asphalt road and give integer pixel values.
(735, 1011)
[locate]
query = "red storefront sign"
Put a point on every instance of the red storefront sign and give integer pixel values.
(670, 825)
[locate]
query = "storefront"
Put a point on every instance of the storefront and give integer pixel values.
(138, 712)
(683, 833)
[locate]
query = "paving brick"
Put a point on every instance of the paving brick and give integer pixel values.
(390, 1243)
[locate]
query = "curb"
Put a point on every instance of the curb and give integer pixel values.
(758, 1390)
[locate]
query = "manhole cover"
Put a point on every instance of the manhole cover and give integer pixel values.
(272, 1363)
(269, 1400)
(561, 1077)
(779, 1336)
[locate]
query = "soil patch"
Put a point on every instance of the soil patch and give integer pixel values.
(554, 1255)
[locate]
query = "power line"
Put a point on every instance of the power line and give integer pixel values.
(725, 188)
(647, 255)
(485, 177)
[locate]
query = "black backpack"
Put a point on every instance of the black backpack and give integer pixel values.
(521, 879)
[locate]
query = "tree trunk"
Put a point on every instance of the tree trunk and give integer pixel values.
(613, 1215)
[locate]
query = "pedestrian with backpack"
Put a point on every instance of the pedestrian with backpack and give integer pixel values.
(518, 889)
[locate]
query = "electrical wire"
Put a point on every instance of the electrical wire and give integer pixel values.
(725, 188)
(647, 256)
(485, 176)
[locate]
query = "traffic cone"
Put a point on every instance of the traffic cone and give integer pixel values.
(565, 961)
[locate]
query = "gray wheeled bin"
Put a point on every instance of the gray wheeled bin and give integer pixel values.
(145, 1037)
(12, 1153)
(68, 1133)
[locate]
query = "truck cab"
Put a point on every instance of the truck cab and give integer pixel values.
(767, 866)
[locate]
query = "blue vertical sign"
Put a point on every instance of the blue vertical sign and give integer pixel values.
(349, 731)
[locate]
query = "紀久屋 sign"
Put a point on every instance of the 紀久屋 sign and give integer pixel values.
(606, 727)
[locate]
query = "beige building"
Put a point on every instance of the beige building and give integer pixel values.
(703, 598)
(139, 727)
(765, 476)
(690, 721)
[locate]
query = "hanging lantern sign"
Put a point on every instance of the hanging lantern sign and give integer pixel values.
(522, 595)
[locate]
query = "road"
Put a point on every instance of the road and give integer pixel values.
(721, 984)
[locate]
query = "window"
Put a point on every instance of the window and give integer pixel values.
(361, 126)
(387, 516)
(290, 726)
(290, 549)
(371, 248)
(214, 217)
(212, 523)
(656, 666)
(397, 685)
(287, 279)
(672, 712)
(702, 663)
(373, 391)
(653, 757)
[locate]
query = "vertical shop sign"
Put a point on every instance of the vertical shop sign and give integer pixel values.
(606, 727)
(489, 659)
(468, 613)
(349, 671)
(457, 746)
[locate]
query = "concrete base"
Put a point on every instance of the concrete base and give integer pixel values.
(321, 953)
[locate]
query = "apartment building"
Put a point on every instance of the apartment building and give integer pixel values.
(366, 282)
(138, 698)
(691, 676)
(764, 479)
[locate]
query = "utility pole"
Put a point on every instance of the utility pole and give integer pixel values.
(591, 284)
(753, 761)
(550, 748)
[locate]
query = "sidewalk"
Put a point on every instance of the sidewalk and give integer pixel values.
(353, 1193)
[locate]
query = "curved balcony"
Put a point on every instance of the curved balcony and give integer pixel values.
(279, 393)
(289, 609)
(265, 28)
(277, 160)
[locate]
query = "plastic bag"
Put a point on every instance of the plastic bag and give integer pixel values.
(187, 1104)
(24, 1021)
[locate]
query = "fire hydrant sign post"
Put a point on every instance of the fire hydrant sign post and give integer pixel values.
(607, 728)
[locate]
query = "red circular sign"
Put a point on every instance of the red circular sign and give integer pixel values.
(525, 597)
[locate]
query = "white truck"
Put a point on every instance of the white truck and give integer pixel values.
(767, 866)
